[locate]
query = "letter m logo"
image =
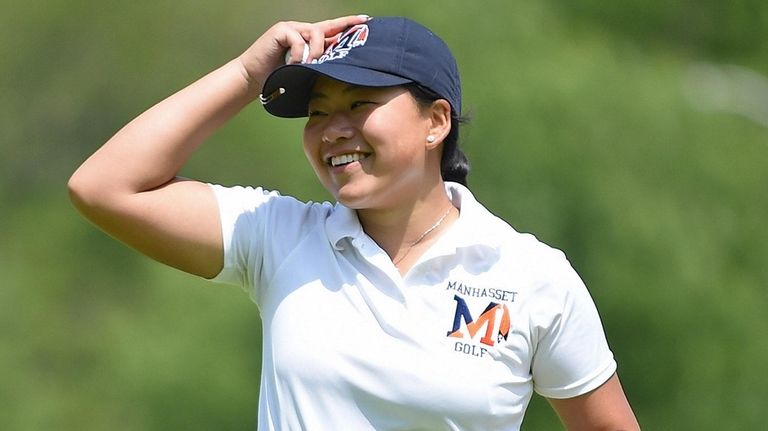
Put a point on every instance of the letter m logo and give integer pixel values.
(487, 321)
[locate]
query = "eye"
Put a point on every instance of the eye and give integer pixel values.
(359, 103)
(316, 113)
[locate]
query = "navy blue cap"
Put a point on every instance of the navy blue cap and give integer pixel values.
(383, 52)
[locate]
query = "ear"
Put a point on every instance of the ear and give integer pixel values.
(440, 121)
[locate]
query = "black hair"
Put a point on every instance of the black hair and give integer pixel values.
(454, 165)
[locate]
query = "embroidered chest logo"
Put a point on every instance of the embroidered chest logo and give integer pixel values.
(476, 333)
(355, 36)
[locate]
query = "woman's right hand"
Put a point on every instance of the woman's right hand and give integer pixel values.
(269, 51)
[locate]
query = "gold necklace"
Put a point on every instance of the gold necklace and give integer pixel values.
(423, 235)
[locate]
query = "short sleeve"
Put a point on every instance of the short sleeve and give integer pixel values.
(571, 356)
(259, 228)
(242, 211)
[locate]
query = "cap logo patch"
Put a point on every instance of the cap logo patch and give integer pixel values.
(351, 38)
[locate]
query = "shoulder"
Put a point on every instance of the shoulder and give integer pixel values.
(249, 199)
(520, 257)
(260, 227)
(260, 214)
(481, 226)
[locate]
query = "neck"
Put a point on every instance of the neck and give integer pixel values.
(398, 229)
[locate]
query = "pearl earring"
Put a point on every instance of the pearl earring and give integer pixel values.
(430, 139)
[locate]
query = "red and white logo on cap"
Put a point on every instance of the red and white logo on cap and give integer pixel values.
(351, 38)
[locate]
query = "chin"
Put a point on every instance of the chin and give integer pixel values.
(353, 202)
(353, 198)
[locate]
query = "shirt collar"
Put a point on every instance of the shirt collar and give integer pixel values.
(342, 223)
(475, 226)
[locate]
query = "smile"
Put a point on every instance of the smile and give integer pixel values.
(344, 159)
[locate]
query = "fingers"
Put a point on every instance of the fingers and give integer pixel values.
(316, 44)
(333, 26)
(285, 42)
(317, 36)
(298, 50)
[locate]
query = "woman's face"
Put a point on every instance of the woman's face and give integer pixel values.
(368, 145)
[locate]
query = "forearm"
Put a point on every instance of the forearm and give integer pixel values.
(150, 150)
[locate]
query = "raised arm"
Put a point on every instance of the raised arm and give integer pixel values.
(129, 188)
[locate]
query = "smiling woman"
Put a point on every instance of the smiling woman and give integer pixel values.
(403, 305)
(371, 132)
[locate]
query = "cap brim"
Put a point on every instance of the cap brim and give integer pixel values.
(297, 81)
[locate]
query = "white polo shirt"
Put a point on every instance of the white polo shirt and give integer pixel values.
(486, 316)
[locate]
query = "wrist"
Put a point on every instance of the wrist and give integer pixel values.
(252, 83)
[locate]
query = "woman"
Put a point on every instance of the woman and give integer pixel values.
(406, 305)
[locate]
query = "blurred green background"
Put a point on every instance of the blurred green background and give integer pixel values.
(633, 135)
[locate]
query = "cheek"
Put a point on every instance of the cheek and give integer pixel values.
(311, 148)
(403, 141)
(310, 140)
(309, 133)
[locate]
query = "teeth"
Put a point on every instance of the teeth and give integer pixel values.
(346, 158)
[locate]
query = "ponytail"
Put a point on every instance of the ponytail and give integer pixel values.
(454, 165)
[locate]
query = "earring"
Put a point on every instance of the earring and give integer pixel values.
(430, 139)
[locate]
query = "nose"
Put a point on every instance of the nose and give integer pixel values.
(337, 128)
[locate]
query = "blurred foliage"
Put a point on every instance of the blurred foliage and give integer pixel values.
(735, 29)
(581, 134)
